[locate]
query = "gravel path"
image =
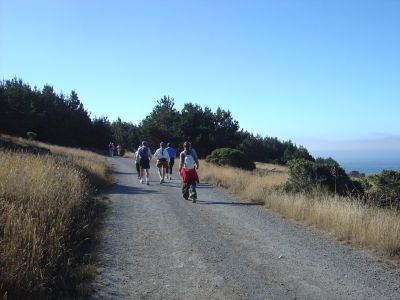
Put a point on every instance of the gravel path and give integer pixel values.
(159, 246)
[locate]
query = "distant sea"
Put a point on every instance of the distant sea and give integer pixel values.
(369, 167)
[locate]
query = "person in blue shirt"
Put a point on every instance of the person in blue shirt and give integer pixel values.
(172, 154)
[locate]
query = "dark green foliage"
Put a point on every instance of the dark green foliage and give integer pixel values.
(269, 149)
(125, 134)
(230, 157)
(102, 133)
(162, 124)
(61, 119)
(356, 174)
(387, 192)
(208, 130)
(55, 118)
(306, 175)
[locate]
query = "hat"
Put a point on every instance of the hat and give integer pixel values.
(162, 144)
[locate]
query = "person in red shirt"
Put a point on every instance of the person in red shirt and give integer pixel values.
(188, 164)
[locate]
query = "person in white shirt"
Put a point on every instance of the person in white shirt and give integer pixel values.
(162, 157)
(137, 161)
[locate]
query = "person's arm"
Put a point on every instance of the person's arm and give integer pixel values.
(181, 160)
(196, 159)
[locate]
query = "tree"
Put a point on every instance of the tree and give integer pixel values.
(126, 134)
(162, 123)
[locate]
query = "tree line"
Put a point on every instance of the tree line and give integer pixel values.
(62, 119)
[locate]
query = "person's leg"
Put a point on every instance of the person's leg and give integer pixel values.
(171, 165)
(192, 191)
(141, 174)
(138, 169)
(164, 168)
(147, 176)
(160, 173)
(185, 190)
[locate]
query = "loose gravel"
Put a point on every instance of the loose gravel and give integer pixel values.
(159, 246)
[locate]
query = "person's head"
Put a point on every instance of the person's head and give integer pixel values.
(144, 144)
(169, 145)
(187, 145)
(162, 145)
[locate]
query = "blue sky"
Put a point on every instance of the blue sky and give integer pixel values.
(325, 74)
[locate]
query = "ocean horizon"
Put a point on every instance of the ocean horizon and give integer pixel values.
(370, 167)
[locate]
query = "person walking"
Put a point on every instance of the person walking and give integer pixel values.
(162, 157)
(188, 163)
(172, 153)
(144, 154)
(137, 161)
(111, 149)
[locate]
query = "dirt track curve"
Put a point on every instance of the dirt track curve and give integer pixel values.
(159, 246)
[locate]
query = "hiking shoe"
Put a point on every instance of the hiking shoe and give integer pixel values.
(147, 183)
(141, 180)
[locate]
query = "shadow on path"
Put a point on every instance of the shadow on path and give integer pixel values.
(124, 173)
(231, 203)
(204, 186)
(130, 190)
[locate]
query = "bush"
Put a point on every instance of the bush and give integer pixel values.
(31, 135)
(230, 157)
(306, 175)
(387, 192)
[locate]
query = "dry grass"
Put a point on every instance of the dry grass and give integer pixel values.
(347, 219)
(271, 167)
(45, 215)
(249, 185)
(129, 154)
(94, 165)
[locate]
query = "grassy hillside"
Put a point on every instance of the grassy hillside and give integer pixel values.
(46, 213)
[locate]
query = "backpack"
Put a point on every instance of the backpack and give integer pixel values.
(144, 153)
(189, 161)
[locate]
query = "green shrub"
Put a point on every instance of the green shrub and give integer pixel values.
(31, 135)
(230, 157)
(387, 192)
(306, 175)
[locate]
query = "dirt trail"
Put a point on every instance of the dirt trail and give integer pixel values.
(159, 246)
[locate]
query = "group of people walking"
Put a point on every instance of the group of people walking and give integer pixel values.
(112, 148)
(165, 157)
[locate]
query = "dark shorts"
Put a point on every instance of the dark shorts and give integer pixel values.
(162, 164)
(144, 164)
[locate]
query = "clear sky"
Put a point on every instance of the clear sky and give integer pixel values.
(325, 74)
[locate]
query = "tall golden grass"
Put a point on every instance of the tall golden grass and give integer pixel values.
(345, 218)
(45, 213)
